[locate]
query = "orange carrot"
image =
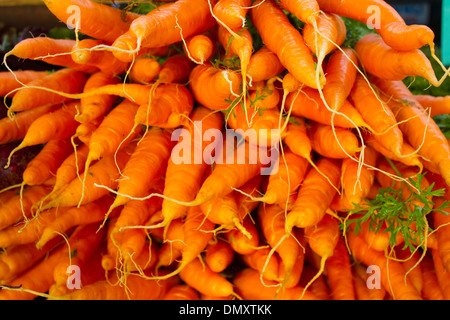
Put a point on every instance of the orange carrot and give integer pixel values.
(267, 265)
(86, 13)
(218, 255)
(268, 59)
(320, 287)
(361, 280)
(56, 125)
(144, 70)
(16, 128)
(436, 105)
(214, 88)
(181, 292)
(169, 24)
(64, 80)
(382, 61)
(285, 41)
(200, 48)
(9, 83)
(338, 269)
(336, 143)
(390, 24)
(241, 243)
(306, 11)
(377, 114)
(272, 222)
(249, 287)
(442, 274)
(175, 69)
(412, 265)
(232, 13)
(315, 194)
(204, 280)
(431, 288)
(341, 72)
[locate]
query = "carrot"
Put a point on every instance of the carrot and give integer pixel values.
(183, 178)
(112, 26)
(264, 262)
(323, 238)
(285, 41)
(171, 249)
(338, 269)
(19, 206)
(102, 59)
(231, 13)
(442, 274)
(377, 114)
(431, 288)
(392, 272)
(306, 11)
(200, 277)
(319, 287)
(436, 105)
(197, 235)
(219, 255)
(93, 107)
(390, 25)
(70, 217)
(31, 96)
(384, 62)
(412, 264)
(200, 48)
(354, 190)
(52, 51)
(181, 292)
(245, 194)
(167, 25)
(287, 180)
(241, 243)
(249, 287)
(268, 59)
(315, 194)
(361, 279)
(175, 69)
(272, 222)
(297, 138)
(146, 165)
(44, 165)
(266, 96)
(56, 125)
(336, 143)
(9, 83)
(214, 88)
(144, 70)
(104, 172)
(307, 103)
(341, 73)
(16, 128)
(419, 130)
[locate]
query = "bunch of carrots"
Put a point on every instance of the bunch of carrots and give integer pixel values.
(357, 207)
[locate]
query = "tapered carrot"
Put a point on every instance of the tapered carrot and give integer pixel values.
(244, 243)
(200, 48)
(420, 131)
(232, 13)
(285, 41)
(64, 80)
(264, 262)
(169, 24)
(341, 72)
(315, 194)
(268, 59)
(102, 59)
(144, 70)
(297, 138)
(181, 292)
(431, 288)
(16, 128)
(249, 287)
(219, 255)
(382, 61)
(390, 24)
(361, 278)
(60, 124)
(412, 265)
(81, 14)
(377, 114)
(292, 169)
(436, 105)
(19, 206)
(338, 269)
(200, 277)
(175, 69)
(392, 272)
(272, 221)
(8, 80)
(214, 88)
(52, 51)
(320, 287)
(95, 106)
(336, 143)
(266, 96)
(442, 274)
(307, 103)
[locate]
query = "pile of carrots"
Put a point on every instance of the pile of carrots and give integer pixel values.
(105, 210)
